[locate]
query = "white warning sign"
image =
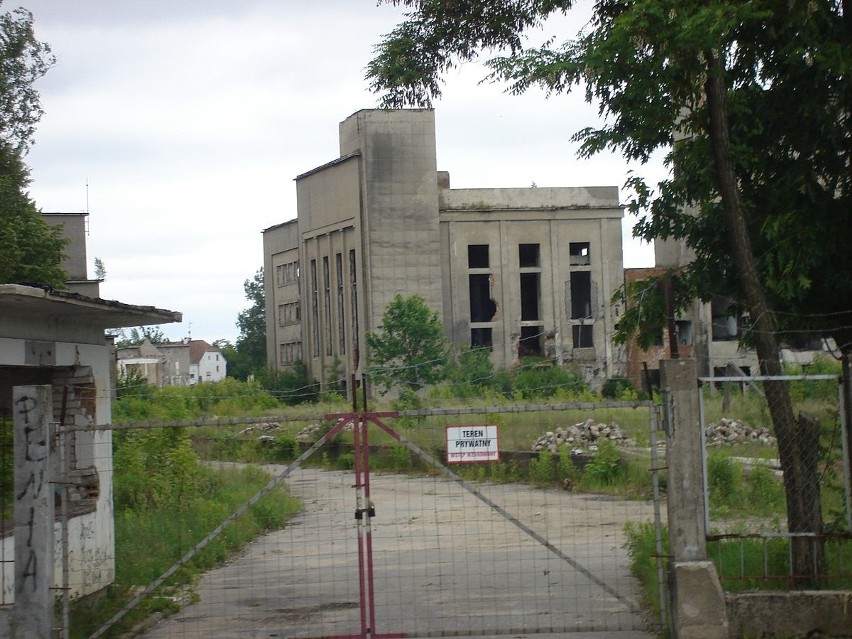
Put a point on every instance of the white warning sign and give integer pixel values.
(472, 443)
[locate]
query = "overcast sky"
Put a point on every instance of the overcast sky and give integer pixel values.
(189, 119)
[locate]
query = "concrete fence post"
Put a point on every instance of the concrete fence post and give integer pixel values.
(698, 603)
(32, 616)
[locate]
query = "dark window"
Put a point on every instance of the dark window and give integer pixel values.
(314, 310)
(477, 256)
(581, 294)
(583, 335)
(326, 280)
(530, 343)
(481, 338)
(529, 296)
(353, 301)
(528, 255)
(578, 253)
(482, 307)
(341, 327)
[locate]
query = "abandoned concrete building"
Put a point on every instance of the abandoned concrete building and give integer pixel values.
(520, 271)
(57, 339)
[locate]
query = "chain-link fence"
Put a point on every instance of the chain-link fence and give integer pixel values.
(776, 464)
(531, 541)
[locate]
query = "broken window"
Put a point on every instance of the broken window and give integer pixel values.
(353, 307)
(578, 254)
(314, 309)
(726, 327)
(581, 294)
(477, 256)
(583, 335)
(529, 296)
(326, 280)
(481, 338)
(684, 332)
(528, 255)
(530, 342)
(341, 324)
(482, 306)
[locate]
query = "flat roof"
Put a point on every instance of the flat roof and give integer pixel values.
(21, 300)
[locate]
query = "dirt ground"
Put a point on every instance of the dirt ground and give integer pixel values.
(437, 561)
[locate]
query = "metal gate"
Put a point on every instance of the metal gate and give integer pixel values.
(437, 551)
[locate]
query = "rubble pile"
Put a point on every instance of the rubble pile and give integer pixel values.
(310, 433)
(262, 427)
(730, 431)
(579, 437)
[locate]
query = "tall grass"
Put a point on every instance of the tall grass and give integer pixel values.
(165, 502)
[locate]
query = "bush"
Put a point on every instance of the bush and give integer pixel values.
(540, 378)
(293, 386)
(541, 469)
(606, 467)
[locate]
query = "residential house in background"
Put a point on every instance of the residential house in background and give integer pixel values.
(519, 271)
(183, 363)
(57, 339)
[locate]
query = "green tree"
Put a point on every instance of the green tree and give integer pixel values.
(32, 249)
(411, 351)
(751, 103)
(251, 342)
(136, 336)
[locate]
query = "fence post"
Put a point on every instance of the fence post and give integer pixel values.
(32, 616)
(698, 603)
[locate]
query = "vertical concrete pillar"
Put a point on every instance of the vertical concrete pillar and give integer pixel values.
(685, 483)
(34, 599)
(697, 601)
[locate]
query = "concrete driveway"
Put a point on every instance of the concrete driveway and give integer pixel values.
(444, 564)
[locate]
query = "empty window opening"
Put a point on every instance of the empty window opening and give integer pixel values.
(341, 322)
(314, 310)
(529, 296)
(482, 306)
(353, 308)
(477, 256)
(326, 279)
(583, 335)
(684, 332)
(581, 294)
(528, 255)
(530, 342)
(726, 327)
(578, 253)
(481, 338)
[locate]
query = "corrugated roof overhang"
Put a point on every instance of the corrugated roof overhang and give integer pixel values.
(16, 299)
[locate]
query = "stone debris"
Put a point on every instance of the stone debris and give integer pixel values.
(730, 431)
(310, 433)
(581, 437)
(261, 427)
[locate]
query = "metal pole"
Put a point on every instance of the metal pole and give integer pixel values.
(359, 521)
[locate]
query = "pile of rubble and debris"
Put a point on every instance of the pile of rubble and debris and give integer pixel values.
(581, 437)
(730, 431)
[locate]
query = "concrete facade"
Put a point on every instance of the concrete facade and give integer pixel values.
(521, 271)
(75, 261)
(57, 339)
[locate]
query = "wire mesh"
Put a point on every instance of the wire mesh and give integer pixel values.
(437, 559)
(776, 481)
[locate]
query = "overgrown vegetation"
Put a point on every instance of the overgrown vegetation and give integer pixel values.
(166, 501)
